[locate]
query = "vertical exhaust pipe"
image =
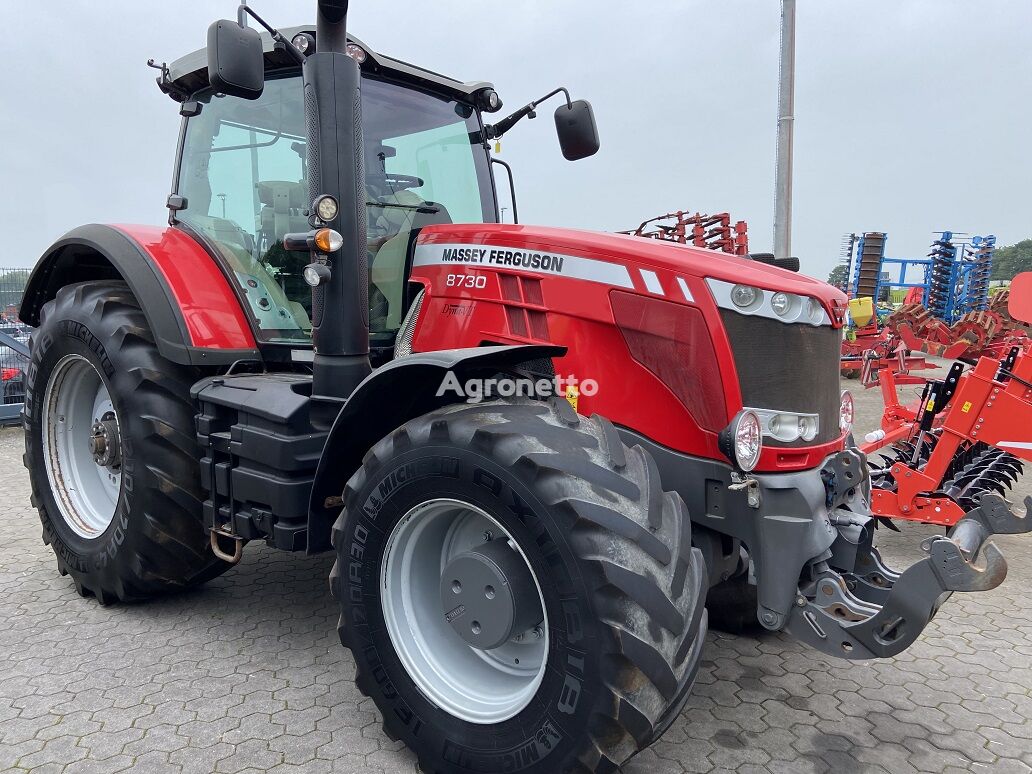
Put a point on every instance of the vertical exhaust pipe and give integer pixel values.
(333, 124)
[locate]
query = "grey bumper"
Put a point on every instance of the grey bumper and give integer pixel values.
(863, 610)
(810, 539)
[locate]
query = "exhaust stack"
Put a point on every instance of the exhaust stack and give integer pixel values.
(340, 306)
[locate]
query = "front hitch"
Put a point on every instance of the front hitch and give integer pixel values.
(867, 611)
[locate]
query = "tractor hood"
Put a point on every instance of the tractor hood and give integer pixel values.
(632, 250)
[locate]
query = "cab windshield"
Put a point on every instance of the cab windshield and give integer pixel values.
(242, 174)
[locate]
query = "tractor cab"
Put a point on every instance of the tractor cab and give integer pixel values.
(241, 181)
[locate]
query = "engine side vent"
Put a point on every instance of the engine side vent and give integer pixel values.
(403, 344)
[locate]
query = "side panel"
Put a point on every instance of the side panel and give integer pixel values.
(209, 307)
(193, 312)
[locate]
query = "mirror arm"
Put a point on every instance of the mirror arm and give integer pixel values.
(494, 131)
(244, 11)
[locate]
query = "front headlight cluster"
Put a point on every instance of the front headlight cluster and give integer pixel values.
(786, 306)
(775, 304)
(788, 426)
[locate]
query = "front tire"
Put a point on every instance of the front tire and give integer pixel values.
(621, 588)
(122, 513)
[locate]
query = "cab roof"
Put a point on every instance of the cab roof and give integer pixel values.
(189, 74)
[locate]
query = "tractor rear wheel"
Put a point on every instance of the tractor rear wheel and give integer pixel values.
(111, 449)
(517, 590)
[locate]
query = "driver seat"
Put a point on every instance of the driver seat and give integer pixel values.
(389, 267)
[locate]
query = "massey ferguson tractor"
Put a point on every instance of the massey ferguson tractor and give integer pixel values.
(301, 356)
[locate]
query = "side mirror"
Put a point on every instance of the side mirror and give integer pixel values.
(235, 60)
(575, 125)
(1019, 305)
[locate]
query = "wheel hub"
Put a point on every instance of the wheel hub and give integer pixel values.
(82, 450)
(104, 443)
(488, 595)
(444, 560)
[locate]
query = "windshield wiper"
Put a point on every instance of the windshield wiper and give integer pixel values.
(424, 208)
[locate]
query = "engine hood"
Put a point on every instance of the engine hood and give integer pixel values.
(624, 249)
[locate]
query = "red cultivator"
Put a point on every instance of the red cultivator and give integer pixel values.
(966, 437)
(713, 232)
(991, 332)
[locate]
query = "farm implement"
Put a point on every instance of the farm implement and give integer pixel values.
(965, 439)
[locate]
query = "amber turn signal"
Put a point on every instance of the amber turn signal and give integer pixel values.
(328, 241)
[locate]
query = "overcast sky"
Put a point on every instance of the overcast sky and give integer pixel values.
(912, 116)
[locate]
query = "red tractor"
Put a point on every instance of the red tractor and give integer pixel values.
(533, 450)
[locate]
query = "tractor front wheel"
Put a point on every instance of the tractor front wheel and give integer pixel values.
(111, 449)
(518, 591)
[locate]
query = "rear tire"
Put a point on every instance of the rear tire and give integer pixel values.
(622, 588)
(148, 537)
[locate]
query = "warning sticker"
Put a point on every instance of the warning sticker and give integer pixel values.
(573, 395)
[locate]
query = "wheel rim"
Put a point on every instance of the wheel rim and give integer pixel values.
(81, 446)
(476, 685)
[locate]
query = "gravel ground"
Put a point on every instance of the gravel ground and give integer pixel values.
(246, 674)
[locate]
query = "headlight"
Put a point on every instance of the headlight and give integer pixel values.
(815, 311)
(315, 274)
(847, 411)
(744, 296)
(742, 440)
(326, 208)
(777, 305)
(787, 426)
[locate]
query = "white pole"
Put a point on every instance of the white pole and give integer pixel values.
(786, 117)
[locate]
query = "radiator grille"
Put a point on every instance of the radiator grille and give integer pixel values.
(787, 367)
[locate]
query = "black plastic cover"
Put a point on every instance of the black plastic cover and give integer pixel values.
(578, 134)
(235, 60)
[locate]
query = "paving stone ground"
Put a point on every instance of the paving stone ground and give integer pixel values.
(246, 674)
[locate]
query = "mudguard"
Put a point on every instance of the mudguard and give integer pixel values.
(193, 312)
(402, 389)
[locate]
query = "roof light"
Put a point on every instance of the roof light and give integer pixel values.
(488, 100)
(304, 43)
(356, 52)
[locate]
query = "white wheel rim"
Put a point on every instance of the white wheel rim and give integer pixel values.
(478, 686)
(86, 492)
